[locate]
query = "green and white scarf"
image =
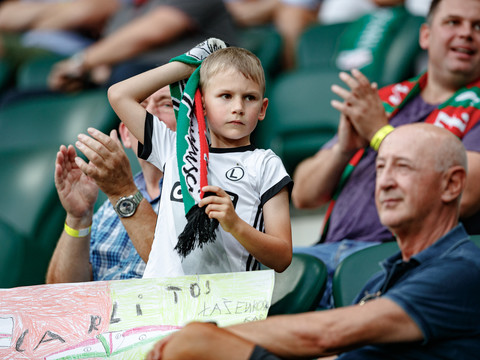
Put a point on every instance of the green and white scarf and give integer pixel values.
(192, 149)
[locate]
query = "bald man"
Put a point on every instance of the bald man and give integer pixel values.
(423, 305)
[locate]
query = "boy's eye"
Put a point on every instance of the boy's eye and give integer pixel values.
(250, 97)
(226, 96)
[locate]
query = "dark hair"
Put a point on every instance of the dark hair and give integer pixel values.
(433, 7)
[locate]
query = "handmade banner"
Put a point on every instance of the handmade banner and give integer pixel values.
(123, 319)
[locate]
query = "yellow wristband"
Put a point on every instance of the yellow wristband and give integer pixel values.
(77, 233)
(380, 135)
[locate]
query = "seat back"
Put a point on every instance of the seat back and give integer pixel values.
(54, 119)
(403, 53)
(266, 43)
(36, 127)
(382, 44)
(299, 117)
(5, 74)
(475, 239)
(33, 74)
(356, 269)
(300, 287)
(34, 210)
(12, 255)
(317, 46)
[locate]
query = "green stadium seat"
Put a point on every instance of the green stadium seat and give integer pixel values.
(317, 46)
(395, 60)
(356, 269)
(475, 239)
(33, 210)
(299, 288)
(33, 74)
(36, 127)
(266, 43)
(54, 119)
(5, 74)
(403, 53)
(11, 257)
(299, 117)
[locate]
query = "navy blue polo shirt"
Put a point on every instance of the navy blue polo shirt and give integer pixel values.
(439, 288)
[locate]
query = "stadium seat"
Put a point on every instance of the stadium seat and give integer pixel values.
(11, 257)
(33, 74)
(54, 119)
(266, 43)
(36, 127)
(356, 269)
(317, 46)
(403, 53)
(299, 117)
(476, 239)
(395, 53)
(300, 287)
(33, 210)
(5, 74)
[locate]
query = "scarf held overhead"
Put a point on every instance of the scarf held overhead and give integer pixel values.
(192, 150)
(458, 114)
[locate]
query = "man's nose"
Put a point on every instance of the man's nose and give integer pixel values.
(466, 29)
(385, 178)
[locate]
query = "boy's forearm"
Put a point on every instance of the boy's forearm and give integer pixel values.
(126, 96)
(140, 86)
(270, 250)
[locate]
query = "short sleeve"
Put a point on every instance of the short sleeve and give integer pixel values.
(440, 301)
(272, 176)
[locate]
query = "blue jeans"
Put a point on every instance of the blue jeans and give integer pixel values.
(332, 255)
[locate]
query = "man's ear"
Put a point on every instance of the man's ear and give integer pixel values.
(263, 110)
(455, 179)
(424, 36)
(125, 135)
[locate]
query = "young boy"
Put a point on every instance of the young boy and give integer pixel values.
(250, 186)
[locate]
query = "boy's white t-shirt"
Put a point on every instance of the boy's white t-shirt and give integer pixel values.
(250, 176)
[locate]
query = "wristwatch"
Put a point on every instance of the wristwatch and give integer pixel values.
(127, 205)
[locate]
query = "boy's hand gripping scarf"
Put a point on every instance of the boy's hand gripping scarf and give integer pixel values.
(458, 114)
(192, 149)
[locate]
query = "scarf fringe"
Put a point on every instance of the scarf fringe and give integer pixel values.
(200, 230)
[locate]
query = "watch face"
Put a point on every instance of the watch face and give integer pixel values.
(126, 207)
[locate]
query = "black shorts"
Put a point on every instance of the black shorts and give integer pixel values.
(260, 353)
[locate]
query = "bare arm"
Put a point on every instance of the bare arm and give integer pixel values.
(252, 13)
(78, 14)
(317, 177)
(77, 193)
(70, 261)
(110, 168)
(272, 248)
(332, 331)
(160, 26)
(306, 335)
(470, 201)
(126, 96)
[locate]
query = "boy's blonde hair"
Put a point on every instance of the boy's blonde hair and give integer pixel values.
(236, 58)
